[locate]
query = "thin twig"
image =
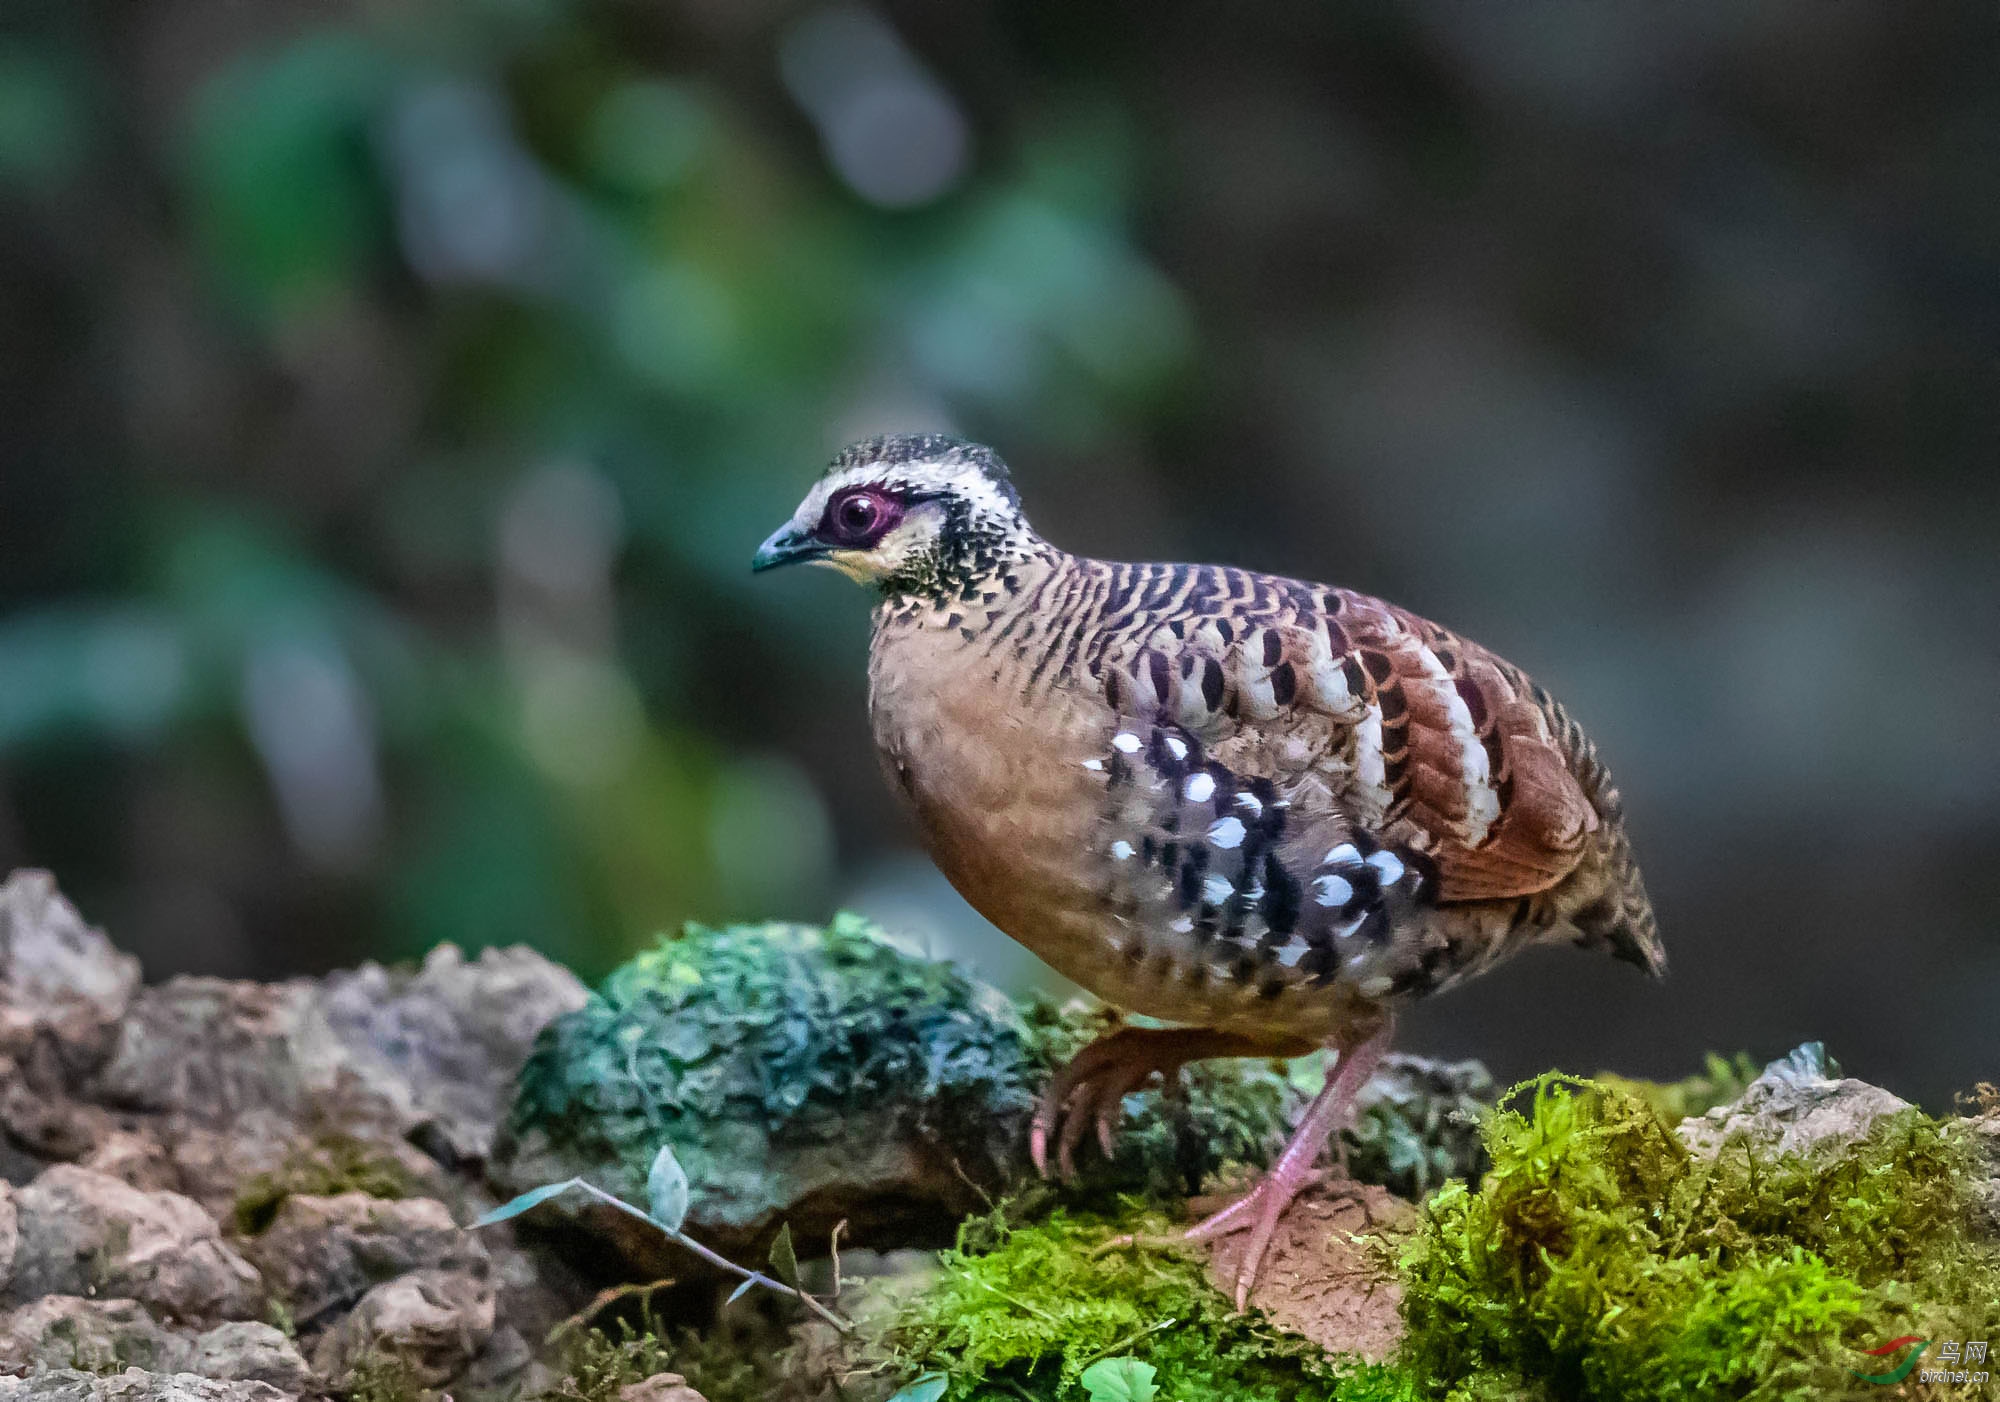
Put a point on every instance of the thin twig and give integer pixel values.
(721, 1262)
(833, 1247)
(1124, 1344)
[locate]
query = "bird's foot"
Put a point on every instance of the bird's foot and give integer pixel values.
(1091, 1090)
(1258, 1212)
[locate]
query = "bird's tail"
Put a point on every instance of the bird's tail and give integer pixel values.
(1620, 919)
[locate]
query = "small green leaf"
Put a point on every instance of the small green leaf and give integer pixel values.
(928, 1388)
(784, 1260)
(667, 1189)
(1120, 1380)
(533, 1198)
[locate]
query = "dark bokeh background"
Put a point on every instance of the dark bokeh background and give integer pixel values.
(391, 396)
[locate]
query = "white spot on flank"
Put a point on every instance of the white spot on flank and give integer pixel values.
(1377, 986)
(1093, 764)
(1177, 748)
(1251, 802)
(1334, 891)
(1184, 925)
(1389, 865)
(1345, 855)
(1122, 850)
(1201, 788)
(1126, 742)
(1346, 932)
(1217, 889)
(1226, 833)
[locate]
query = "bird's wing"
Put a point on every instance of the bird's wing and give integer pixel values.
(1399, 729)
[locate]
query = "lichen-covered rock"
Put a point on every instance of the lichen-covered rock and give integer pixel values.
(808, 1074)
(1800, 1104)
(98, 1336)
(132, 1385)
(59, 978)
(251, 1351)
(85, 1233)
(432, 1322)
(1417, 1124)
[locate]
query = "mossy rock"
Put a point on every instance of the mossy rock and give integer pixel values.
(813, 1075)
(799, 1073)
(1602, 1257)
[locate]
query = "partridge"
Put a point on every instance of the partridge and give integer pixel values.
(1264, 811)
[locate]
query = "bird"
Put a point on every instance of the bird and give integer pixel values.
(1264, 813)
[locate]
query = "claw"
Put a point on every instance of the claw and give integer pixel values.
(1091, 1090)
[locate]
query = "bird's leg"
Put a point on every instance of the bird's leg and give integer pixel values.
(1091, 1089)
(1331, 1110)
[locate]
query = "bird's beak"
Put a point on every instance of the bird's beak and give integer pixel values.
(787, 545)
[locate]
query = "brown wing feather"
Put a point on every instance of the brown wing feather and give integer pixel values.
(1425, 737)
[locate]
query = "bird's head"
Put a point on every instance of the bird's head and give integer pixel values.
(914, 514)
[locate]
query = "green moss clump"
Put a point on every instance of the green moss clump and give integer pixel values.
(330, 1165)
(1025, 1315)
(743, 1044)
(1601, 1259)
(1720, 1081)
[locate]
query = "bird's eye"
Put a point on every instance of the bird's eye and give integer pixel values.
(858, 515)
(859, 519)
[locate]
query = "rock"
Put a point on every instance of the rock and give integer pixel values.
(370, 1053)
(433, 1322)
(1799, 1105)
(132, 1385)
(39, 1116)
(323, 1253)
(1317, 1280)
(10, 1234)
(248, 1351)
(661, 1387)
(139, 1160)
(799, 1073)
(85, 1233)
(452, 1037)
(98, 1336)
(59, 978)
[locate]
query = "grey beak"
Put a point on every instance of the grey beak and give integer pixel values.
(787, 545)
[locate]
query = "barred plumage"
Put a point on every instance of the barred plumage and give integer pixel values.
(1265, 809)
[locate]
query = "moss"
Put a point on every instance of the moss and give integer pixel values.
(332, 1164)
(1603, 1260)
(597, 1362)
(1720, 1081)
(1021, 1311)
(383, 1377)
(785, 1032)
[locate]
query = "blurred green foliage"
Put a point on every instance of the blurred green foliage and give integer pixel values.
(583, 330)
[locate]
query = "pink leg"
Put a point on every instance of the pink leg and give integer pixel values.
(1262, 1206)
